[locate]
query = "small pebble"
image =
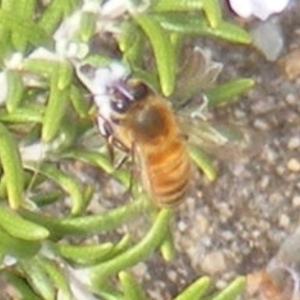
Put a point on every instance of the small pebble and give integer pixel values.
(260, 124)
(201, 223)
(213, 263)
(182, 226)
(255, 234)
(221, 284)
(280, 170)
(291, 64)
(228, 235)
(239, 114)
(284, 221)
(296, 201)
(270, 154)
(264, 182)
(140, 269)
(293, 165)
(275, 198)
(294, 143)
(291, 99)
(172, 275)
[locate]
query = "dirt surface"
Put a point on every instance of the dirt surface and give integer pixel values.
(238, 224)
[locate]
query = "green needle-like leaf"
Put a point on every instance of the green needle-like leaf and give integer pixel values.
(31, 113)
(23, 8)
(38, 278)
(163, 51)
(88, 224)
(178, 5)
(15, 90)
(25, 28)
(79, 103)
(193, 25)
(20, 227)
(227, 92)
(131, 43)
(87, 28)
(67, 183)
(203, 162)
(102, 161)
(57, 102)
(138, 252)
(21, 285)
(42, 67)
(195, 290)
(231, 32)
(18, 248)
(12, 166)
(55, 12)
(130, 287)
(86, 254)
(167, 248)
(232, 290)
(213, 12)
(57, 276)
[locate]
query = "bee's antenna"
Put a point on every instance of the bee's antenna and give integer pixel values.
(120, 87)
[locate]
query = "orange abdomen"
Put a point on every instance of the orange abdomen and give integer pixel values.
(168, 172)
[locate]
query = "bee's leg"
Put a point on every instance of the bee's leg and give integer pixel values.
(128, 153)
(121, 161)
(112, 142)
(106, 131)
(131, 176)
(133, 172)
(129, 184)
(110, 149)
(116, 143)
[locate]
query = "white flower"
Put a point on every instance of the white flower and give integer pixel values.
(13, 62)
(99, 82)
(80, 282)
(8, 261)
(91, 6)
(35, 152)
(261, 9)
(66, 45)
(116, 8)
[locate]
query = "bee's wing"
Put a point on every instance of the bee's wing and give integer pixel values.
(231, 142)
(198, 73)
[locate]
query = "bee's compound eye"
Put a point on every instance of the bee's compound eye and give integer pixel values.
(120, 105)
(140, 91)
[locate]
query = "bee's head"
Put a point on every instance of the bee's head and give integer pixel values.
(121, 98)
(126, 94)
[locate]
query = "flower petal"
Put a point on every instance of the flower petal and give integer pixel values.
(243, 8)
(261, 9)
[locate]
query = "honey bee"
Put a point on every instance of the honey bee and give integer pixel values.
(134, 117)
(143, 123)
